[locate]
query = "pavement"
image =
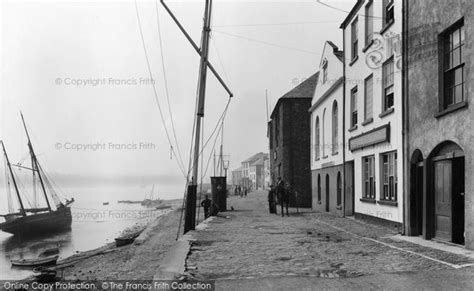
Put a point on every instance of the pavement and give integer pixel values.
(251, 249)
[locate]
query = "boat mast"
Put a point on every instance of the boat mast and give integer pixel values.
(34, 162)
(35, 195)
(203, 51)
(22, 210)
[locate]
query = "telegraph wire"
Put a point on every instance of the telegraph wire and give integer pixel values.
(267, 43)
(154, 90)
(345, 11)
(275, 24)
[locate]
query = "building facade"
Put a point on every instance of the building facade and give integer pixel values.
(440, 188)
(373, 110)
(237, 177)
(267, 179)
(327, 150)
(257, 173)
(289, 137)
(253, 174)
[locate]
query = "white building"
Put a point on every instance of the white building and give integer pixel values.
(327, 163)
(253, 171)
(373, 115)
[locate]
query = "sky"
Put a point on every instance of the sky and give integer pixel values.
(78, 72)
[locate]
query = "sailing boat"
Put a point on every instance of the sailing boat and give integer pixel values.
(150, 201)
(35, 220)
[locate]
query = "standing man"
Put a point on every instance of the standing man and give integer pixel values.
(282, 196)
(206, 204)
(271, 200)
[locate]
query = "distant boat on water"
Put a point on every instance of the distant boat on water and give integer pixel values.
(150, 199)
(130, 201)
(105, 203)
(34, 220)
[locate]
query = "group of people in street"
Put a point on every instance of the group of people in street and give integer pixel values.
(239, 191)
(279, 194)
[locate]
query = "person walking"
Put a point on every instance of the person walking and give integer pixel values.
(206, 204)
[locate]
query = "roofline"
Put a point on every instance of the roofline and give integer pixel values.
(327, 94)
(281, 99)
(335, 50)
(351, 14)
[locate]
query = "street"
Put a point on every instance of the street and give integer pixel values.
(248, 249)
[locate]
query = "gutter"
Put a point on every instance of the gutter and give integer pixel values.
(344, 124)
(405, 111)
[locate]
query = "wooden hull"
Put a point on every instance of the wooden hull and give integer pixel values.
(126, 240)
(35, 262)
(123, 241)
(39, 224)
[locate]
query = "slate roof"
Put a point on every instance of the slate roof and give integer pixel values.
(338, 53)
(255, 157)
(260, 161)
(304, 90)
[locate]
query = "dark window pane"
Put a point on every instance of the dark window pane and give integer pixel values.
(449, 96)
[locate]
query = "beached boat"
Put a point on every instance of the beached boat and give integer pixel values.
(35, 262)
(127, 239)
(34, 220)
(150, 200)
(162, 207)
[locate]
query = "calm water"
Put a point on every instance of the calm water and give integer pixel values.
(94, 225)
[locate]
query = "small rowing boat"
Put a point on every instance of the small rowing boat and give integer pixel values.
(35, 262)
(126, 239)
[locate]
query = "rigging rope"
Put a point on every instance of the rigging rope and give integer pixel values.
(8, 186)
(165, 79)
(180, 162)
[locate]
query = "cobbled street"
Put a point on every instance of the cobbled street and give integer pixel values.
(249, 248)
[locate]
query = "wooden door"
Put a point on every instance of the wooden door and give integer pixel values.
(443, 199)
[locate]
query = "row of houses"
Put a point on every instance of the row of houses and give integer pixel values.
(254, 172)
(383, 130)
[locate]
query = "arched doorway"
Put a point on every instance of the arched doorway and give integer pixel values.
(446, 179)
(416, 193)
(327, 192)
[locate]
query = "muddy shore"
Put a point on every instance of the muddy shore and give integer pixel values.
(138, 261)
